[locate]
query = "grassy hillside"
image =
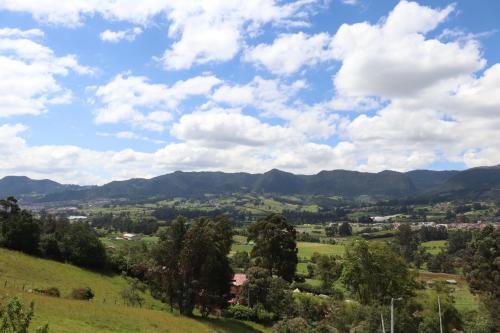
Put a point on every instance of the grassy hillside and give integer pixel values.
(19, 273)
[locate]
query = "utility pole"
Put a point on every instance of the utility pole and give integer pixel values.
(392, 315)
(382, 318)
(440, 319)
(392, 312)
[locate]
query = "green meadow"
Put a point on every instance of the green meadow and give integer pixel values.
(20, 273)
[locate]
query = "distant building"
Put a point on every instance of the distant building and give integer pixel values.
(239, 280)
(77, 217)
(130, 236)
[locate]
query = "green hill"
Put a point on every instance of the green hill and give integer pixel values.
(20, 273)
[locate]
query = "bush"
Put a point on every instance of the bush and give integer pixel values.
(240, 312)
(261, 315)
(53, 291)
(82, 293)
(256, 313)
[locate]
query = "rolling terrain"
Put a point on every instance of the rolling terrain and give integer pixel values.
(106, 312)
(472, 184)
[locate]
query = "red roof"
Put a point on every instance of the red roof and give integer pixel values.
(239, 279)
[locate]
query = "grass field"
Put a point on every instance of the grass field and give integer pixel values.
(434, 247)
(464, 300)
(65, 315)
(307, 249)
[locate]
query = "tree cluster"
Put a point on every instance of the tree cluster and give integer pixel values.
(51, 238)
(191, 265)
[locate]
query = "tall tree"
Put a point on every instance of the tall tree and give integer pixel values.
(345, 229)
(166, 276)
(192, 265)
(328, 269)
(275, 245)
(205, 268)
(482, 269)
(408, 241)
(375, 273)
(18, 229)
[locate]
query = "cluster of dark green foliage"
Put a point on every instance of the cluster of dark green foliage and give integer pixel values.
(85, 294)
(124, 223)
(170, 213)
(275, 246)
(49, 237)
(323, 216)
(307, 237)
(343, 230)
(191, 265)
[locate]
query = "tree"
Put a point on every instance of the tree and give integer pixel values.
(18, 230)
(15, 318)
(331, 230)
(457, 240)
(345, 229)
(166, 277)
(241, 260)
(192, 265)
(205, 267)
(257, 285)
(328, 269)
(481, 265)
(441, 263)
(275, 246)
(82, 246)
(375, 273)
(407, 241)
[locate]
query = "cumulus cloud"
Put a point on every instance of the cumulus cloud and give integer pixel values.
(203, 31)
(430, 99)
(136, 101)
(274, 98)
(291, 52)
(432, 104)
(228, 127)
(117, 36)
(30, 71)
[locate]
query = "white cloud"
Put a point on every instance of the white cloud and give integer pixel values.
(133, 100)
(394, 59)
(291, 52)
(278, 99)
(203, 31)
(29, 74)
(229, 127)
(17, 33)
(434, 105)
(350, 2)
(116, 36)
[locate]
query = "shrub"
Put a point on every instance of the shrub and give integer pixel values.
(82, 293)
(15, 317)
(261, 315)
(240, 312)
(53, 291)
(256, 313)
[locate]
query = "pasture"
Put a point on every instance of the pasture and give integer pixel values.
(20, 273)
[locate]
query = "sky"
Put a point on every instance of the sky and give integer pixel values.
(98, 90)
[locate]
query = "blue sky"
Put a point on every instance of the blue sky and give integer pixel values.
(94, 91)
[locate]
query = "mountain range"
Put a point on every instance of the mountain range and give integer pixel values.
(470, 184)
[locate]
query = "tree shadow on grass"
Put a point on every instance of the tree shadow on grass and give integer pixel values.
(227, 325)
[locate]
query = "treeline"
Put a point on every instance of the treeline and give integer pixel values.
(171, 213)
(49, 237)
(124, 223)
(323, 216)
